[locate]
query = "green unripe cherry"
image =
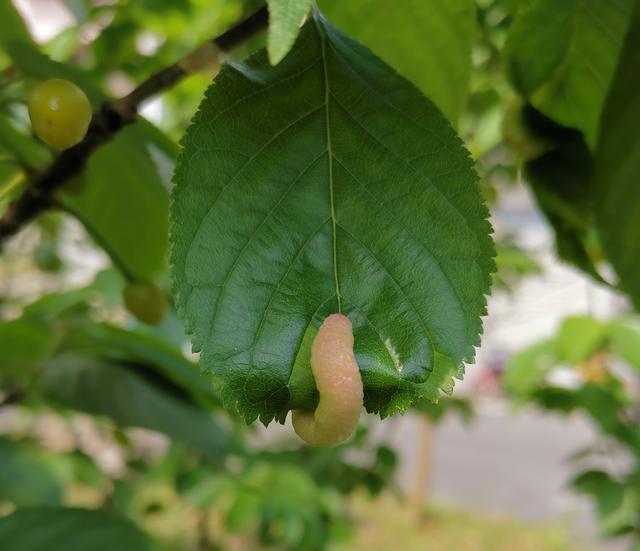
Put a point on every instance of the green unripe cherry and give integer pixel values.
(60, 113)
(146, 301)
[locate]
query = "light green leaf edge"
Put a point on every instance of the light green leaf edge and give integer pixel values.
(285, 17)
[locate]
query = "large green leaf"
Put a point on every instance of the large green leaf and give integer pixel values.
(54, 529)
(119, 392)
(327, 183)
(562, 55)
(427, 41)
(617, 166)
(124, 204)
(285, 17)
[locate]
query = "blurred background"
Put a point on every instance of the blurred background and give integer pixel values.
(100, 412)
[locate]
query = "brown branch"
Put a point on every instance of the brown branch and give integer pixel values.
(108, 121)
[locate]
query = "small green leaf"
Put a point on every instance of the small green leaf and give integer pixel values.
(327, 183)
(617, 166)
(561, 56)
(48, 529)
(27, 151)
(579, 338)
(428, 42)
(285, 17)
(119, 392)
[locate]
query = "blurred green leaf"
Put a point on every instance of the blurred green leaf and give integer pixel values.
(561, 56)
(617, 165)
(121, 345)
(285, 17)
(527, 370)
(119, 392)
(25, 478)
(13, 30)
(560, 179)
(625, 341)
(32, 63)
(579, 338)
(428, 42)
(24, 345)
(27, 151)
(513, 264)
(124, 204)
(53, 529)
(436, 411)
(615, 502)
(605, 408)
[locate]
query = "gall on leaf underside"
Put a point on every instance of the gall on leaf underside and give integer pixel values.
(326, 184)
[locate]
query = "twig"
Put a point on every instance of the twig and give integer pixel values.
(109, 120)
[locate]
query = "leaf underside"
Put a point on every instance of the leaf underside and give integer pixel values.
(562, 56)
(428, 42)
(617, 165)
(284, 23)
(326, 183)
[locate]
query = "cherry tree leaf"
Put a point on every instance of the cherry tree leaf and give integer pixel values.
(617, 165)
(285, 17)
(327, 183)
(562, 55)
(428, 42)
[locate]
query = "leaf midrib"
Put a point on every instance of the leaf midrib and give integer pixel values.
(327, 98)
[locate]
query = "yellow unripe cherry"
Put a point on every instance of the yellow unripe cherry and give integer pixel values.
(146, 301)
(60, 113)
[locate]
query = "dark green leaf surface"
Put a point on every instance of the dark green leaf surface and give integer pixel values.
(327, 183)
(285, 17)
(57, 529)
(117, 391)
(562, 55)
(116, 344)
(560, 179)
(617, 168)
(427, 41)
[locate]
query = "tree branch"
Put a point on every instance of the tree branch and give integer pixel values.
(109, 120)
